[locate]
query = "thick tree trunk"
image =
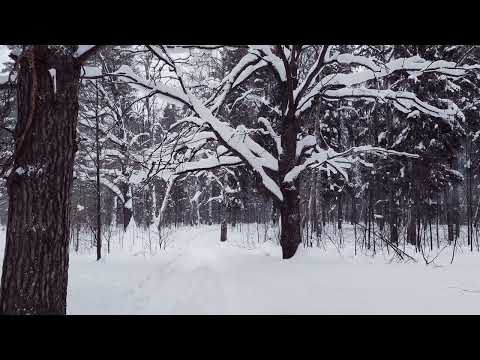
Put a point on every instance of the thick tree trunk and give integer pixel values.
(290, 237)
(291, 234)
(35, 267)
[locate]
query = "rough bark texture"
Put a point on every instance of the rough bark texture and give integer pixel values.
(97, 188)
(35, 267)
(290, 237)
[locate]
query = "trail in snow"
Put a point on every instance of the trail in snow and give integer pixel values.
(188, 284)
(197, 274)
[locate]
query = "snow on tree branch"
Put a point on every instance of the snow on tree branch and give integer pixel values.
(272, 133)
(402, 100)
(238, 141)
(413, 65)
(82, 49)
(171, 94)
(265, 53)
(104, 181)
(331, 87)
(241, 71)
(207, 164)
(337, 162)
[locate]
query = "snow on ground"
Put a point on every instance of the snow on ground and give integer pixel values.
(196, 274)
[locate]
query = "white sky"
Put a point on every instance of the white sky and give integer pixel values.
(3, 56)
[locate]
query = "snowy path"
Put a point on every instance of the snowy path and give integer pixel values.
(189, 283)
(186, 279)
(199, 275)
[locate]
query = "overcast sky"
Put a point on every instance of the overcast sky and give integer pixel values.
(3, 56)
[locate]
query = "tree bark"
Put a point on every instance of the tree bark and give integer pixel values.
(412, 227)
(339, 211)
(393, 219)
(449, 217)
(127, 206)
(291, 234)
(35, 267)
(78, 238)
(290, 237)
(223, 231)
(98, 194)
(210, 212)
(353, 212)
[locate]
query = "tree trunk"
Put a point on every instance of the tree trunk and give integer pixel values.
(210, 212)
(127, 216)
(98, 195)
(324, 210)
(448, 208)
(35, 267)
(393, 219)
(412, 228)
(127, 205)
(339, 211)
(114, 212)
(455, 212)
(78, 238)
(223, 231)
(353, 212)
(290, 237)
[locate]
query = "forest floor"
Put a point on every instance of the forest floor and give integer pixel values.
(196, 274)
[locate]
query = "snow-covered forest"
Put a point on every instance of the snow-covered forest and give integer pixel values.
(259, 179)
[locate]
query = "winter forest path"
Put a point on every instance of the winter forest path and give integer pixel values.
(189, 284)
(196, 274)
(187, 278)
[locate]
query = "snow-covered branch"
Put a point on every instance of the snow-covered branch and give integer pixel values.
(331, 160)
(414, 65)
(275, 137)
(240, 143)
(240, 72)
(207, 164)
(402, 100)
